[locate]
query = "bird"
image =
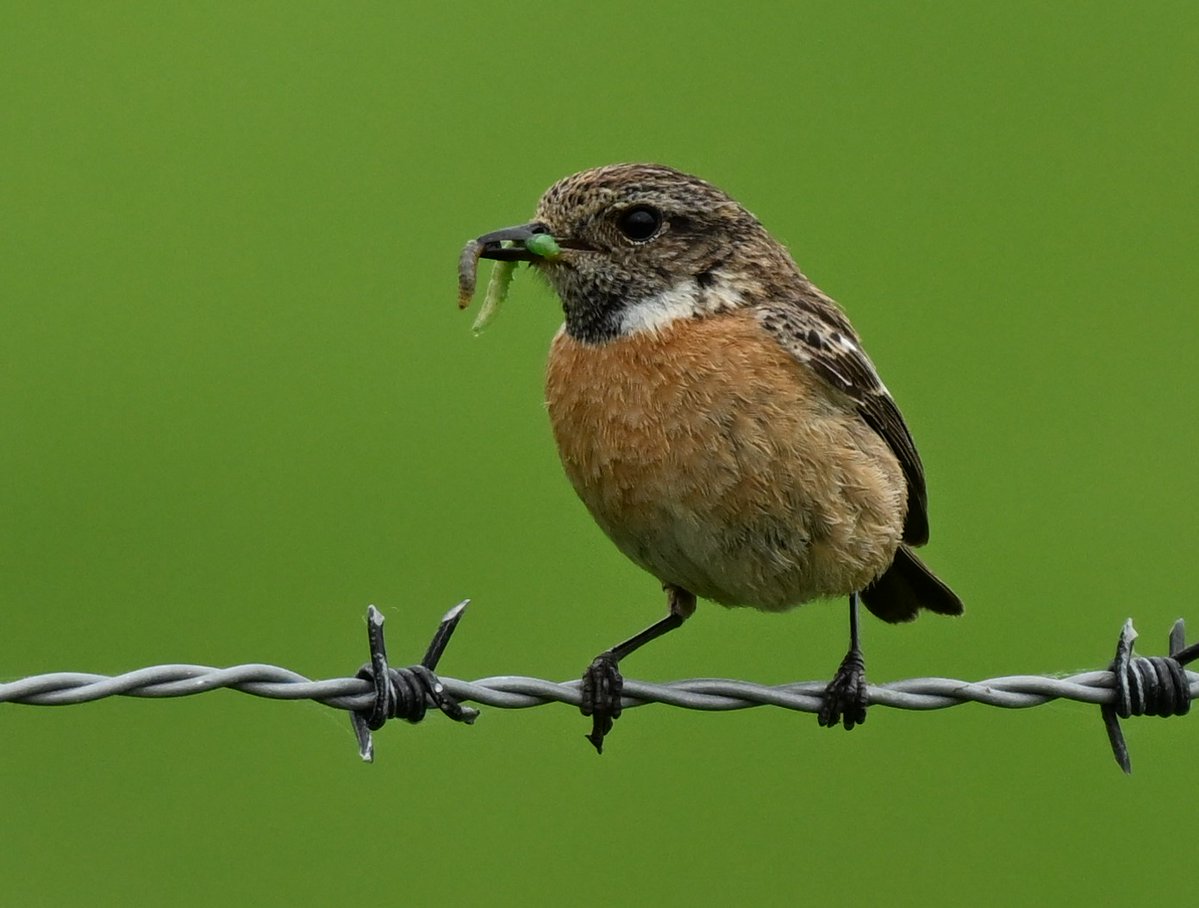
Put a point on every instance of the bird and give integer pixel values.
(719, 418)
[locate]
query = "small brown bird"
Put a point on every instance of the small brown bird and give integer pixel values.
(717, 415)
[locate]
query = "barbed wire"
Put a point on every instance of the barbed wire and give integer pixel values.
(1132, 685)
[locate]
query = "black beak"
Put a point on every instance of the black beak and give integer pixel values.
(526, 243)
(491, 246)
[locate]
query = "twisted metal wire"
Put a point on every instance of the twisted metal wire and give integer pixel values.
(520, 692)
(366, 699)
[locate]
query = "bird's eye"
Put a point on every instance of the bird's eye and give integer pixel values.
(640, 222)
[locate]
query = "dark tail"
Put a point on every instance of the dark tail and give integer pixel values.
(906, 587)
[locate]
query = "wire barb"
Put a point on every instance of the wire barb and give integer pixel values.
(405, 693)
(1146, 685)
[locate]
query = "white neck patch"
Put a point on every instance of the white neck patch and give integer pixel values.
(684, 300)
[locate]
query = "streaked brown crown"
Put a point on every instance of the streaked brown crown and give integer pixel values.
(635, 231)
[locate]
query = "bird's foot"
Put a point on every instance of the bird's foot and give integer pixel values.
(602, 684)
(845, 697)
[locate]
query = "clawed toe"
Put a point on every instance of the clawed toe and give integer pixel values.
(845, 697)
(602, 685)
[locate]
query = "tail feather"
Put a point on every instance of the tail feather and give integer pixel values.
(906, 587)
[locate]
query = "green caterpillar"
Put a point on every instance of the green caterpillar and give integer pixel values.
(542, 245)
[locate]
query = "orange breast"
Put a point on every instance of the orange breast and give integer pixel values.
(717, 462)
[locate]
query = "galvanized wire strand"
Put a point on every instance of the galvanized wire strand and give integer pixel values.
(1137, 686)
(520, 692)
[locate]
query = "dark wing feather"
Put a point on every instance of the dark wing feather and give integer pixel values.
(813, 330)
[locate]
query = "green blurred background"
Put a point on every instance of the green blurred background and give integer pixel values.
(239, 405)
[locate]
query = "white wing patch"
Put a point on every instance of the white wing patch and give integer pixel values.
(850, 346)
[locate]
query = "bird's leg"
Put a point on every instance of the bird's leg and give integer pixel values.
(845, 696)
(602, 682)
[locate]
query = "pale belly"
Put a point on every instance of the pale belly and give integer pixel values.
(717, 463)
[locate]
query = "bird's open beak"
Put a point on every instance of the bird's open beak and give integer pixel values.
(527, 243)
(491, 245)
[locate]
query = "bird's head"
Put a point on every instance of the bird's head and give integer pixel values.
(642, 245)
